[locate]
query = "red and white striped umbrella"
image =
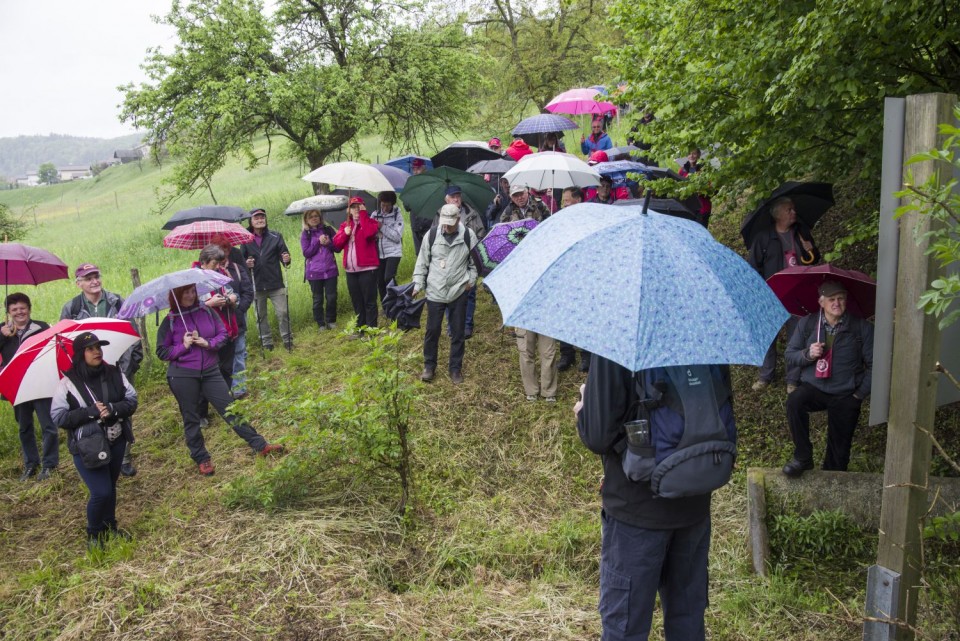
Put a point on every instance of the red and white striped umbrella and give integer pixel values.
(38, 365)
(203, 232)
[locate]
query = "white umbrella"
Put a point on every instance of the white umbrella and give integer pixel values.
(353, 175)
(552, 170)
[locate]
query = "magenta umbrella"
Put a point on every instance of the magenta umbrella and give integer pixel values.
(25, 265)
(798, 288)
(579, 101)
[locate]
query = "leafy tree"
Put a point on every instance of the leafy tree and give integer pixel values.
(538, 49)
(316, 74)
(785, 90)
(11, 229)
(47, 173)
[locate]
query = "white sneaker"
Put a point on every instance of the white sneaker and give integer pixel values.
(760, 384)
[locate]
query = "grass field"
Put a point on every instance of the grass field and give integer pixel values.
(502, 539)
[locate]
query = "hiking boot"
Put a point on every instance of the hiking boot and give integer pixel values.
(791, 388)
(531, 397)
(331, 325)
(456, 377)
(269, 348)
(28, 471)
(204, 423)
(468, 333)
(322, 327)
(120, 533)
(584, 365)
(206, 468)
(760, 384)
(288, 346)
(565, 363)
(795, 469)
(428, 373)
(95, 542)
(550, 399)
(45, 473)
(127, 469)
(271, 449)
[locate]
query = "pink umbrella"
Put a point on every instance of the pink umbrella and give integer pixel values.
(25, 265)
(201, 233)
(38, 365)
(798, 288)
(579, 101)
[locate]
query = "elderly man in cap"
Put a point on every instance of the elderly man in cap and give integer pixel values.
(523, 205)
(264, 255)
(447, 273)
(472, 220)
(833, 350)
(94, 301)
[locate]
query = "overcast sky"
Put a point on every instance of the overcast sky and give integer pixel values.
(62, 60)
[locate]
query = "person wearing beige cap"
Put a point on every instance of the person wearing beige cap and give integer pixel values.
(523, 205)
(447, 273)
(833, 350)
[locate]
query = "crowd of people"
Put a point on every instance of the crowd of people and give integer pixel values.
(650, 543)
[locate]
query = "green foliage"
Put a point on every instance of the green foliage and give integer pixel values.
(943, 528)
(11, 228)
(821, 540)
(314, 74)
(861, 229)
(940, 202)
(787, 90)
(47, 174)
(365, 427)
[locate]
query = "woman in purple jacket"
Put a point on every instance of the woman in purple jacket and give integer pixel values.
(320, 266)
(189, 338)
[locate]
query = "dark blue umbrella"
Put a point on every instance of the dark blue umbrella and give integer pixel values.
(395, 176)
(207, 212)
(406, 162)
(544, 124)
(499, 166)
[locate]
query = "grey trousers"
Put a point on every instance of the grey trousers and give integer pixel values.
(279, 299)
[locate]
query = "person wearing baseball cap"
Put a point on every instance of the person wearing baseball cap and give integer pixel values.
(472, 220)
(94, 301)
(357, 239)
(447, 273)
(94, 395)
(264, 256)
(494, 144)
(523, 205)
(833, 349)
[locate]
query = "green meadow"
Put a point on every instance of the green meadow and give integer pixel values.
(501, 536)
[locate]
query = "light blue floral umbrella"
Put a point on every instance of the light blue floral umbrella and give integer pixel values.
(642, 290)
(152, 297)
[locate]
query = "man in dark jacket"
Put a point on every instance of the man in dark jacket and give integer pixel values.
(94, 301)
(264, 256)
(787, 244)
(18, 328)
(833, 350)
(648, 544)
(523, 205)
(419, 225)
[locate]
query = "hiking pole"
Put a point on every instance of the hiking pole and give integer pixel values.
(256, 310)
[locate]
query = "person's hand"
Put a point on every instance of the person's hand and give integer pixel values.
(201, 341)
(187, 340)
(233, 299)
(468, 287)
(285, 258)
(250, 262)
(324, 239)
(347, 230)
(416, 292)
(103, 409)
(579, 404)
(215, 301)
(816, 350)
(807, 245)
(7, 329)
(583, 137)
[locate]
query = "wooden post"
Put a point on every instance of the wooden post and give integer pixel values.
(139, 322)
(757, 518)
(916, 344)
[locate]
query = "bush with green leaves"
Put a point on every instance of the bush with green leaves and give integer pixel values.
(361, 431)
(11, 227)
(824, 539)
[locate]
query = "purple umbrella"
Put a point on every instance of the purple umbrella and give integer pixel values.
(25, 265)
(501, 240)
(395, 176)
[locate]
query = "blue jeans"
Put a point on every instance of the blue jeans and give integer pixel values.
(102, 483)
(240, 363)
(636, 563)
(28, 438)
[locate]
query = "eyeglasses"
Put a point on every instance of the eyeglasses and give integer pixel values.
(91, 277)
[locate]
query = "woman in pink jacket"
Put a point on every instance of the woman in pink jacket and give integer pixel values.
(357, 239)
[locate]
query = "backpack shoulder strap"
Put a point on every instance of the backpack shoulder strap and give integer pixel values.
(75, 305)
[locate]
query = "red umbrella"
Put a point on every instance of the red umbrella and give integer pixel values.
(38, 365)
(201, 233)
(25, 265)
(797, 288)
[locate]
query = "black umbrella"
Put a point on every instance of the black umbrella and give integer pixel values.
(623, 153)
(811, 200)
(668, 206)
(461, 155)
(498, 166)
(399, 305)
(207, 212)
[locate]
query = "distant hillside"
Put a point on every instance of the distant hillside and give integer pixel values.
(23, 153)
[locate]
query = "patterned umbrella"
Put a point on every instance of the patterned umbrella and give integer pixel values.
(642, 290)
(207, 212)
(152, 297)
(37, 367)
(25, 265)
(501, 240)
(321, 202)
(544, 124)
(200, 234)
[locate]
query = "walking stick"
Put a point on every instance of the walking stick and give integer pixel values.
(256, 309)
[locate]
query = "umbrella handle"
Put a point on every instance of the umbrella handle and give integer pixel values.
(646, 201)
